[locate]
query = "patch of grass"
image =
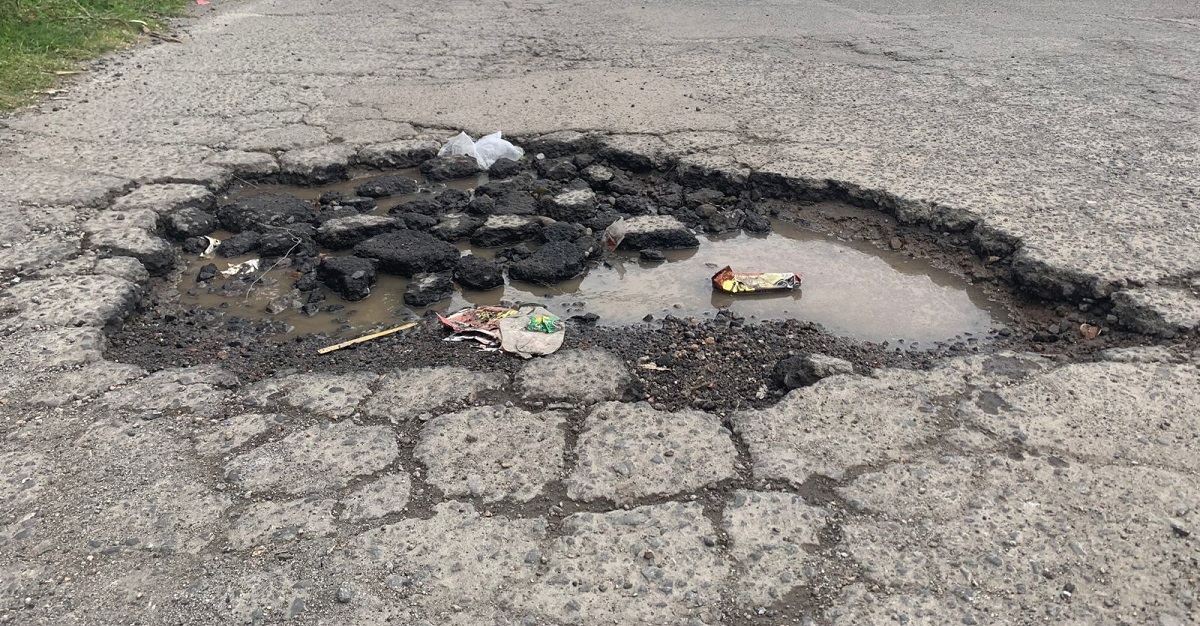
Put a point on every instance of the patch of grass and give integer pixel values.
(41, 39)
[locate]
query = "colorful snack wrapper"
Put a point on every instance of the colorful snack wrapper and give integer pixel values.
(755, 282)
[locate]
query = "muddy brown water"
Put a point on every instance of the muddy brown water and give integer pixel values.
(853, 289)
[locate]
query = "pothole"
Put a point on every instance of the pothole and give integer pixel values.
(877, 293)
(851, 288)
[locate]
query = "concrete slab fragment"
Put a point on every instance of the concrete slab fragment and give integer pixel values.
(236, 431)
(772, 539)
(406, 394)
(492, 453)
(457, 558)
(647, 565)
(172, 514)
(155, 253)
(38, 252)
(398, 154)
(97, 301)
(281, 522)
(85, 383)
(1159, 311)
(842, 422)
(1109, 412)
(632, 451)
(389, 494)
(53, 349)
(243, 163)
(328, 395)
(166, 198)
(201, 390)
(585, 376)
(318, 459)
(124, 267)
(319, 164)
(1014, 535)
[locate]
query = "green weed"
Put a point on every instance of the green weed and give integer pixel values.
(43, 40)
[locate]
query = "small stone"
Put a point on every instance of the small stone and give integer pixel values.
(263, 210)
(384, 186)
(577, 205)
(558, 169)
(502, 230)
(552, 263)
(481, 205)
(449, 167)
(351, 277)
(800, 371)
(195, 245)
(563, 231)
(425, 289)
(597, 174)
(587, 318)
(756, 223)
(455, 227)
(504, 168)
(344, 595)
(240, 244)
(345, 232)
(278, 305)
(408, 253)
(359, 204)
(281, 245)
(660, 232)
(189, 222)
(477, 273)
(514, 202)
(207, 272)
(417, 221)
(896, 243)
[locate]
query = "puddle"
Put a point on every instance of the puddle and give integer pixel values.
(852, 290)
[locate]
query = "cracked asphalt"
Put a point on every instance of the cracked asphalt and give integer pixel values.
(1005, 488)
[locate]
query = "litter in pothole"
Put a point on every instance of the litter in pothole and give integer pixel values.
(374, 250)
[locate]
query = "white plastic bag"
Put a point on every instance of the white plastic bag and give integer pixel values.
(492, 148)
(486, 151)
(460, 145)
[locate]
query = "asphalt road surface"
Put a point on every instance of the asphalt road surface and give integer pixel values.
(996, 489)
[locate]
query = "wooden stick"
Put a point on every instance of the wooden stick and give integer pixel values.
(344, 344)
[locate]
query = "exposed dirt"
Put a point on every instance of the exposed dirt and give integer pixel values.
(716, 365)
